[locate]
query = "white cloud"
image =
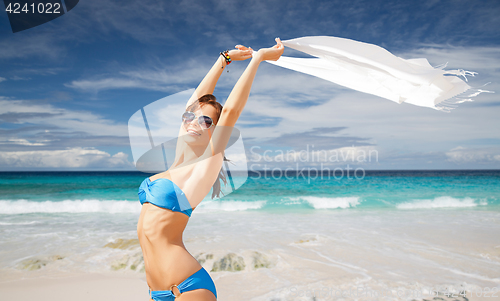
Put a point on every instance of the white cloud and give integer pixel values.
(107, 84)
(469, 58)
(19, 141)
(474, 155)
(63, 119)
(42, 44)
(163, 78)
(69, 158)
(16, 77)
(67, 124)
(2, 79)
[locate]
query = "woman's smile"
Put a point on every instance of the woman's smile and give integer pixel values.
(193, 133)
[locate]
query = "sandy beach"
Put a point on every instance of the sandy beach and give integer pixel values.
(77, 287)
(352, 256)
(105, 287)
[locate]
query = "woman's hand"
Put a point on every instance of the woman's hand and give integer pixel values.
(272, 53)
(240, 53)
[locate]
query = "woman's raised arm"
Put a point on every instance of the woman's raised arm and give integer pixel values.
(237, 99)
(208, 83)
(206, 172)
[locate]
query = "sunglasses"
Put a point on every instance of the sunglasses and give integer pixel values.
(205, 122)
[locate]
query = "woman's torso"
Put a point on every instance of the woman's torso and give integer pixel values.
(160, 230)
(166, 259)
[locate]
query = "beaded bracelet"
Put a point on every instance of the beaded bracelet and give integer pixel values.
(226, 57)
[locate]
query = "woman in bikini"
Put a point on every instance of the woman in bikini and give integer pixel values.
(169, 197)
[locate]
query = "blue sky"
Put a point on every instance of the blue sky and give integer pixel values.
(68, 87)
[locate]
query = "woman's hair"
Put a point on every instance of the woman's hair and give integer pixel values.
(209, 99)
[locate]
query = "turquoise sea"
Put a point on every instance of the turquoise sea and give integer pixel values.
(413, 229)
(113, 192)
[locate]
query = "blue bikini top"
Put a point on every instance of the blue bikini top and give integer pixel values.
(164, 193)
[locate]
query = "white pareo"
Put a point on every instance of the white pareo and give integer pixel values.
(372, 69)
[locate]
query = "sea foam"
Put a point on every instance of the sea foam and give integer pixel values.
(440, 202)
(18, 224)
(329, 203)
(229, 205)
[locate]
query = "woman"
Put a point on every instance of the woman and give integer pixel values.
(169, 197)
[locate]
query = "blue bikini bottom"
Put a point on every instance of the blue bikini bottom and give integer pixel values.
(200, 279)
